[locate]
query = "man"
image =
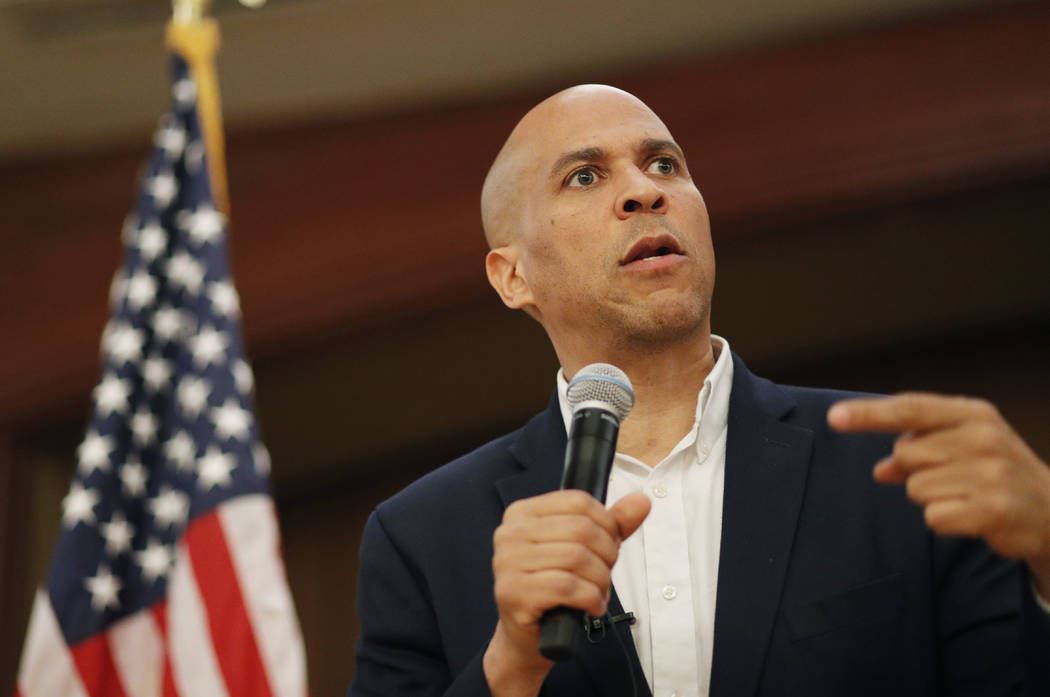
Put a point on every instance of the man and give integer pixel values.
(770, 562)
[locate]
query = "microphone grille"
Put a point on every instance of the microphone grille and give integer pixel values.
(602, 383)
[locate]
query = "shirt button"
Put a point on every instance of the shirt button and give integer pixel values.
(705, 448)
(659, 491)
(669, 592)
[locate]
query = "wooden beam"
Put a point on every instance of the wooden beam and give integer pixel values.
(342, 225)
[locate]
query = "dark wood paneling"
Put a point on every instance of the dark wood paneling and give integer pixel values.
(12, 508)
(341, 225)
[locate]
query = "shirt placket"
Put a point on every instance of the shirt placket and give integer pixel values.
(672, 625)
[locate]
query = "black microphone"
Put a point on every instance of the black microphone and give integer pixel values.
(600, 396)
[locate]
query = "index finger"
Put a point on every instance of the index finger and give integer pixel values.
(910, 411)
(565, 502)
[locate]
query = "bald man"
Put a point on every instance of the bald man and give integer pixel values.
(770, 561)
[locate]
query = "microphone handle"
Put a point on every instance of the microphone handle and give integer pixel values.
(588, 461)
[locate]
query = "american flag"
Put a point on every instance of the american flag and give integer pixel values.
(167, 578)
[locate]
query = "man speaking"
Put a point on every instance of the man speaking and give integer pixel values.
(750, 548)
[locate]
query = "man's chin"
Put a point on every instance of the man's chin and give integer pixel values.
(666, 323)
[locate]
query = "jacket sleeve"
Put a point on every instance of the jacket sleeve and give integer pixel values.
(400, 652)
(994, 638)
(1035, 636)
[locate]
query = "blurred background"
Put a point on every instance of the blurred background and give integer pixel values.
(878, 177)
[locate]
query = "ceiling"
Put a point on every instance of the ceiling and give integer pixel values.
(85, 74)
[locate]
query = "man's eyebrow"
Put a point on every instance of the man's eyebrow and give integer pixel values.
(581, 155)
(660, 144)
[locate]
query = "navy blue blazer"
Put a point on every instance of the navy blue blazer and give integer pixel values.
(828, 583)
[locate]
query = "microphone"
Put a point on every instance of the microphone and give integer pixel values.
(600, 397)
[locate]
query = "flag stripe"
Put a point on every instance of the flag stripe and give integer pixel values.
(231, 629)
(160, 616)
(194, 666)
(97, 670)
(47, 669)
(250, 527)
(138, 652)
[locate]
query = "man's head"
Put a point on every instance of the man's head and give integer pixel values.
(596, 228)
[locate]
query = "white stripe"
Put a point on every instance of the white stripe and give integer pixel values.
(194, 667)
(47, 668)
(138, 652)
(250, 526)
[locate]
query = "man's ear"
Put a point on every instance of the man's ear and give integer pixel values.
(503, 267)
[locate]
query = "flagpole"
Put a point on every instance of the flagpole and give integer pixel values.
(195, 37)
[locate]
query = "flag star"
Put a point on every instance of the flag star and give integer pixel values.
(156, 560)
(262, 460)
(118, 534)
(231, 420)
(209, 346)
(184, 92)
(141, 290)
(144, 426)
(104, 587)
(169, 507)
(172, 139)
(224, 298)
(204, 225)
(186, 272)
(214, 469)
(242, 376)
(192, 395)
(111, 395)
(156, 373)
(93, 453)
(170, 324)
(124, 342)
(133, 477)
(152, 241)
(181, 451)
(163, 187)
(78, 506)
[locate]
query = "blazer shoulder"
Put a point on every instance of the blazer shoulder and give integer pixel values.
(804, 406)
(463, 481)
(821, 398)
(807, 408)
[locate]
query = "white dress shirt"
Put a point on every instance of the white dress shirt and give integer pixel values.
(667, 571)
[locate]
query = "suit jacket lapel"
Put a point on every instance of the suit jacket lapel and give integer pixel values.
(541, 452)
(766, 464)
(540, 449)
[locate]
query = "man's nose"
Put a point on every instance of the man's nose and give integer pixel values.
(641, 195)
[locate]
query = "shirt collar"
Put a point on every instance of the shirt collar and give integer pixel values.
(712, 404)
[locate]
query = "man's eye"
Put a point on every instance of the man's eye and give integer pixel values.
(582, 177)
(663, 165)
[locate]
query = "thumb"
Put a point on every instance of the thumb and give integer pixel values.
(630, 511)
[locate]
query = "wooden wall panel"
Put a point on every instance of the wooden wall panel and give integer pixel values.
(340, 225)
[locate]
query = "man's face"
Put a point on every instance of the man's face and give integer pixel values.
(614, 238)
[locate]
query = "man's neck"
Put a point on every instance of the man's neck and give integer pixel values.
(666, 387)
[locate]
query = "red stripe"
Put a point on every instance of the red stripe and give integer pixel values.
(97, 670)
(231, 629)
(18, 693)
(160, 616)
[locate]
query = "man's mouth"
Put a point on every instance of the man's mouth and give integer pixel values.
(651, 247)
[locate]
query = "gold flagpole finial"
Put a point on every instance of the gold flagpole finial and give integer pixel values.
(189, 12)
(195, 37)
